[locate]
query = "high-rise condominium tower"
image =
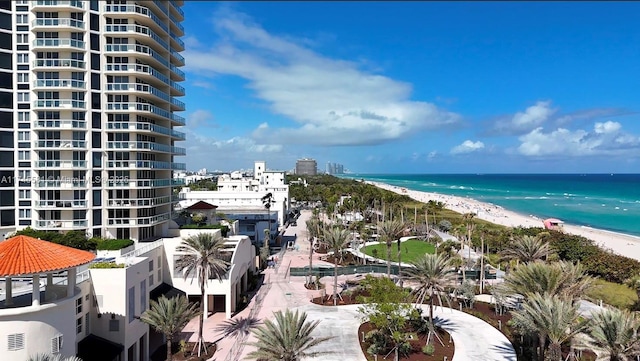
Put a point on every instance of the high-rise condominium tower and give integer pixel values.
(88, 100)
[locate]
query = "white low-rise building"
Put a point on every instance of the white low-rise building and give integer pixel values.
(240, 198)
(94, 312)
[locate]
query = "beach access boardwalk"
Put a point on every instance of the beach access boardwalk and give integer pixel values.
(475, 340)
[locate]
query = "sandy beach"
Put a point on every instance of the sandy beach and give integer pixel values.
(623, 244)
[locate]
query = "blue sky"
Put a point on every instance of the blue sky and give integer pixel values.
(415, 87)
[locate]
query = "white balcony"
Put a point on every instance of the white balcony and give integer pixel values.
(60, 104)
(58, 23)
(60, 84)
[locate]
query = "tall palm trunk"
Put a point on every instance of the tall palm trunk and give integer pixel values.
(431, 306)
(542, 339)
(555, 352)
(169, 353)
(200, 344)
(389, 259)
(310, 260)
(335, 280)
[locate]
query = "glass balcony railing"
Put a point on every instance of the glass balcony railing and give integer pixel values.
(66, 104)
(176, 55)
(61, 204)
(144, 107)
(138, 221)
(176, 22)
(60, 164)
(158, 147)
(138, 68)
(139, 10)
(38, 43)
(138, 164)
(133, 127)
(143, 49)
(60, 83)
(59, 3)
(142, 183)
(60, 124)
(176, 8)
(139, 202)
(145, 88)
(62, 184)
(62, 224)
(177, 71)
(136, 29)
(58, 22)
(177, 40)
(59, 63)
(60, 144)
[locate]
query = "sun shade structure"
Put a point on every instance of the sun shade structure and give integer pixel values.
(553, 224)
(23, 255)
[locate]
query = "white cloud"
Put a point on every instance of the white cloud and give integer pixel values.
(467, 146)
(523, 122)
(605, 139)
(332, 102)
(200, 118)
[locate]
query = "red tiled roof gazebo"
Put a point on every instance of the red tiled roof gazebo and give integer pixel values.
(28, 256)
(207, 209)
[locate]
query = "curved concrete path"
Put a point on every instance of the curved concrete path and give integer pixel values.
(475, 340)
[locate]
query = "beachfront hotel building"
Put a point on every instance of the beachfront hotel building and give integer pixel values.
(306, 166)
(239, 198)
(53, 301)
(89, 96)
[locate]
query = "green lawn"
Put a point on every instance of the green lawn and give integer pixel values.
(613, 294)
(411, 250)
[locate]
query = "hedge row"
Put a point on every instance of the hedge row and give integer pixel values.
(223, 229)
(75, 239)
(112, 244)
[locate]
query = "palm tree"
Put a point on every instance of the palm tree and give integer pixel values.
(562, 278)
(433, 273)
(634, 284)
(335, 239)
(52, 357)
(287, 339)
(313, 230)
(202, 258)
(267, 201)
(390, 231)
(169, 316)
(526, 249)
(552, 318)
(614, 332)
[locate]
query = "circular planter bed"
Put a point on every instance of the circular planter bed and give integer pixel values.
(416, 354)
(184, 354)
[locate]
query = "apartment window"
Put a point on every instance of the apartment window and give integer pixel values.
(56, 344)
(22, 19)
(24, 174)
(151, 266)
(5, 80)
(24, 116)
(24, 135)
(23, 58)
(22, 38)
(159, 275)
(23, 97)
(114, 325)
(23, 77)
(15, 342)
(79, 325)
(132, 303)
(5, 19)
(24, 213)
(151, 280)
(79, 305)
(24, 155)
(86, 323)
(24, 193)
(143, 296)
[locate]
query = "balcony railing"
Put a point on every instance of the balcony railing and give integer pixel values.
(177, 40)
(145, 146)
(177, 71)
(58, 22)
(139, 202)
(62, 224)
(59, 83)
(176, 22)
(139, 10)
(176, 55)
(60, 124)
(136, 29)
(138, 221)
(65, 104)
(61, 204)
(62, 184)
(132, 67)
(143, 49)
(57, 43)
(60, 3)
(144, 107)
(143, 183)
(60, 164)
(145, 127)
(59, 63)
(138, 164)
(177, 8)
(145, 88)
(60, 144)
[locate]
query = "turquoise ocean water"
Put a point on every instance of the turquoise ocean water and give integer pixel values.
(605, 201)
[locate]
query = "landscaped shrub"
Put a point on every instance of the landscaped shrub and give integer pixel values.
(74, 239)
(612, 267)
(106, 265)
(113, 244)
(428, 349)
(224, 230)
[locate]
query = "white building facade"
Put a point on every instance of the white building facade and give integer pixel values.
(240, 198)
(88, 99)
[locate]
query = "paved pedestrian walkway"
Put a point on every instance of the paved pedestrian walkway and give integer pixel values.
(475, 340)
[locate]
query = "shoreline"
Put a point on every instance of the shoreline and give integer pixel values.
(620, 243)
